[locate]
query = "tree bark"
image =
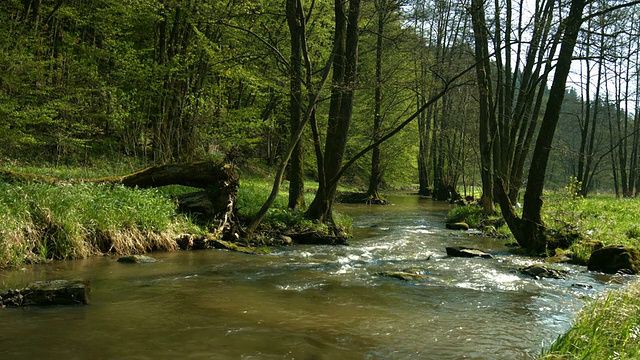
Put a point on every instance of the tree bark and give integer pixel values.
(296, 164)
(340, 108)
(375, 177)
(483, 73)
(532, 235)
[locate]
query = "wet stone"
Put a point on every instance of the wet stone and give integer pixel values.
(541, 271)
(136, 259)
(463, 251)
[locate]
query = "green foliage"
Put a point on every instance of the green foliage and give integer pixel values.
(608, 328)
(470, 214)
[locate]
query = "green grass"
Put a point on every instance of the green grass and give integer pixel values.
(470, 214)
(599, 219)
(608, 328)
(39, 222)
(254, 191)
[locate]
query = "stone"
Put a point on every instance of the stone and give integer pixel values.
(316, 238)
(226, 245)
(136, 259)
(562, 258)
(463, 251)
(53, 292)
(581, 285)
(540, 271)
(457, 226)
(615, 258)
(402, 275)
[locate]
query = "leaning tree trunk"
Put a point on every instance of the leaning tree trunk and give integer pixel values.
(532, 232)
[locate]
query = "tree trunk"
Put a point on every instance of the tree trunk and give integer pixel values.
(340, 108)
(296, 164)
(531, 233)
(375, 177)
(483, 71)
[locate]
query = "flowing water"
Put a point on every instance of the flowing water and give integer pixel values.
(307, 302)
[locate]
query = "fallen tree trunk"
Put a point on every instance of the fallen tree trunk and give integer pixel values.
(202, 175)
(215, 205)
(55, 292)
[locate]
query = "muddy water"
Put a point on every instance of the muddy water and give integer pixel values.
(307, 302)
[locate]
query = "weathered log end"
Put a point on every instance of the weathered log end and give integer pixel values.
(54, 292)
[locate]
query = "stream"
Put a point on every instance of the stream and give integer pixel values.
(308, 302)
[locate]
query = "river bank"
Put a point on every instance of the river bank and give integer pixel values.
(313, 301)
(42, 221)
(609, 326)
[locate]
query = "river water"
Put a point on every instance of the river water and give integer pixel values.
(307, 302)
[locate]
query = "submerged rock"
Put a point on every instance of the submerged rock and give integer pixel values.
(457, 226)
(541, 271)
(562, 258)
(226, 245)
(54, 292)
(615, 258)
(463, 251)
(402, 275)
(136, 259)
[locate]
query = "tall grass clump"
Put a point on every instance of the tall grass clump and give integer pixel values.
(608, 328)
(41, 222)
(470, 214)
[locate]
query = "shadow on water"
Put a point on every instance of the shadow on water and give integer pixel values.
(308, 302)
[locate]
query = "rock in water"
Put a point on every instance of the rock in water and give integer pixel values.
(457, 226)
(402, 275)
(136, 259)
(55, 292)
(541, 271)
(614, 258)
(462, 251)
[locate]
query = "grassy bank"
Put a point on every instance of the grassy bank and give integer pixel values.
(607, 328)
(597, 219)
(39, 222)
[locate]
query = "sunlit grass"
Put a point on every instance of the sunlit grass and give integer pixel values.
(608, 328)
(41, 222)
(601, 218)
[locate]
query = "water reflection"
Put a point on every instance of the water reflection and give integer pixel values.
(308, 302)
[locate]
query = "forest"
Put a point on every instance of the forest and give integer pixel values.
(446, 96)
(530, 109)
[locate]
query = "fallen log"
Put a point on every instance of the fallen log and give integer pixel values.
(55, 292)
(215, 205)
(202, 175)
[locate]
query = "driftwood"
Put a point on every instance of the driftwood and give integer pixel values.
(55, 292)
(215, 205)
